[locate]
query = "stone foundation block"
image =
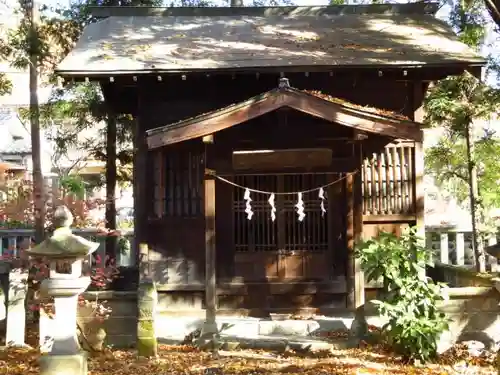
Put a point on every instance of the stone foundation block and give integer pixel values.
(75, 364)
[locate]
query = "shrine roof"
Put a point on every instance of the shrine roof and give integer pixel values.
(314, 103)
(142, 40)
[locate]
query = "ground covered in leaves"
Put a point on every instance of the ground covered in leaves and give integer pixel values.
(188, 360)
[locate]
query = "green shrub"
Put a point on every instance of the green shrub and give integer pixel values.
(409, 297)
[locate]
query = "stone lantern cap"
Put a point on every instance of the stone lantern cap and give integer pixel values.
(63, 244)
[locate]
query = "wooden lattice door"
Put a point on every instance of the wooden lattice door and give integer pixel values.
(285, 248)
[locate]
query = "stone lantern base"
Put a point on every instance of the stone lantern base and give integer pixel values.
(64, 364)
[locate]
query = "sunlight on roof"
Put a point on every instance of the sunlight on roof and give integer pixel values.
(436, 37)
(236, 45)
(298, 34)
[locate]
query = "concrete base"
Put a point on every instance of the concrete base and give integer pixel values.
(75, 364)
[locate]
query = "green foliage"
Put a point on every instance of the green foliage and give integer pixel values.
(414, 323)
(456, 101)
(468, 19)
(50, 41)
(5, 85)
(447, 163)
(78, 108)
(73, 184)
(453, 104)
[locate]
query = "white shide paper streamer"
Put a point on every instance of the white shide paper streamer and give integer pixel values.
(273, 207)
(300, 207)
(321, 196)
(248, 205)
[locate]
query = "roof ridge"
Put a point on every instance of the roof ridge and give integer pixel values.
(418, 8)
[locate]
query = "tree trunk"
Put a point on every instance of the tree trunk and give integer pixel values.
(38, 183)
(493, 7)
(111, 184)
(477, 243)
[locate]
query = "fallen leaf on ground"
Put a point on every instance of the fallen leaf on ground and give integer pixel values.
(186, 359)
(189, 360)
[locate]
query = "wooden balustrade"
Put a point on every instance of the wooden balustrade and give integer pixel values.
(388, 181)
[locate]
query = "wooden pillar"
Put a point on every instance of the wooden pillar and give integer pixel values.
(359, 280)
(354, 276)
(140, 172)
(418, 164)
(210, 325)
(111, 241)
(419, 188)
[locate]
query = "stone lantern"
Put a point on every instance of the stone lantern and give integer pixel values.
(494, 251)
(66, 356)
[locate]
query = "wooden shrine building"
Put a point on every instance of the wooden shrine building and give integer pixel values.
(268, 140)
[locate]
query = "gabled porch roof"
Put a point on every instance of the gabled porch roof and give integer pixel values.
(315, 104)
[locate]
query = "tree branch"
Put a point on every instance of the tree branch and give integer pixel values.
(457, 175)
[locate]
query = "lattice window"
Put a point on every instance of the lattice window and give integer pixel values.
(286, 232)
(388, 181)
(178, 182)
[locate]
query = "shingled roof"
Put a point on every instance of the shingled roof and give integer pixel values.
(252, 38)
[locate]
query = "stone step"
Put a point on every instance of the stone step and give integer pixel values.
(282, 343)
(179, 327)
(272, 343)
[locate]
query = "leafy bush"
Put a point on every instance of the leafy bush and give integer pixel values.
(414, 323)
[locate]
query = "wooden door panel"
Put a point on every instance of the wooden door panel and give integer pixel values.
(317, 266)
(275, 265)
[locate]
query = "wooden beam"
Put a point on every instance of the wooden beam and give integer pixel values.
(274, 287)
(389, 218)
(224, 168)
(361, 121)
(328, 74)
(292, 141)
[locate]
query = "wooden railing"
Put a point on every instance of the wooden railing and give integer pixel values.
(13, 241)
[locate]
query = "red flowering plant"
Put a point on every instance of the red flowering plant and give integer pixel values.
(16, 206)
(16, 211)
(101, 274)
(101, 277)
